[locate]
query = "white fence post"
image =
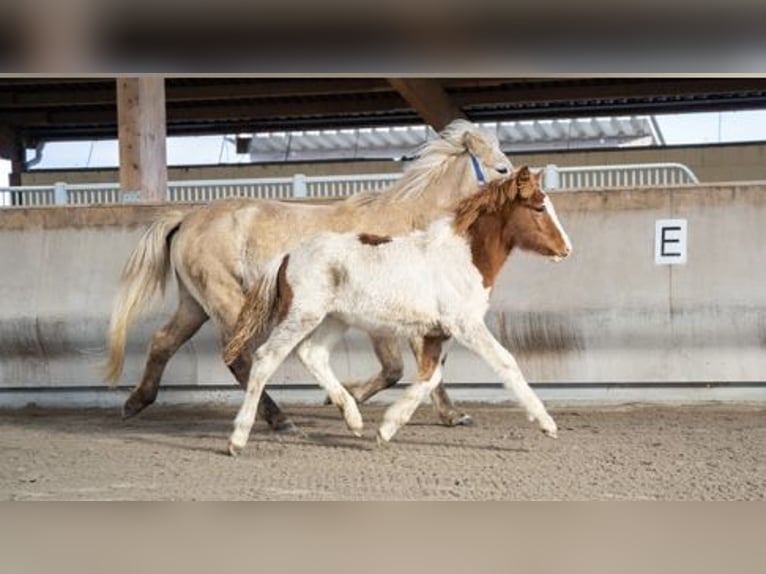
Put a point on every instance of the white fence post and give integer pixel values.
(551, 177)
(59, 193)
(299, 185)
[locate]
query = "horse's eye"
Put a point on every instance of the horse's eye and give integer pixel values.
(539, 208)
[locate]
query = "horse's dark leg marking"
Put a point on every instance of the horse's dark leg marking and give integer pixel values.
(390, 356)
(186, 321)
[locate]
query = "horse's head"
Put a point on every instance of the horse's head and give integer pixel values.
(530, 220)
(487, 157)
(488, 162)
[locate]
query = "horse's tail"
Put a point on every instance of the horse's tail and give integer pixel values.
(144, 277)
(265, 302)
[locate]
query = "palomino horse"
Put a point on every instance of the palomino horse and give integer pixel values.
(218, 251)
(427, 285)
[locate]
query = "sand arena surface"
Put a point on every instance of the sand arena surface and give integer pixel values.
(634, 452)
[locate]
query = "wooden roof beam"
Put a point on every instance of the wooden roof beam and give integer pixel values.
(428, 98)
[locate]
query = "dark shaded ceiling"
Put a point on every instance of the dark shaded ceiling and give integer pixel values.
(38, 109)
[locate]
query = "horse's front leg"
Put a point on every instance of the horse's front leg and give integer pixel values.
(428, 356)
(478, 338)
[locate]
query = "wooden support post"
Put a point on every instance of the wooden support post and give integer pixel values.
(12, 148)
(142, 129)
(17, 166)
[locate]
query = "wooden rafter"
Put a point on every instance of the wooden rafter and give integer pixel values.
(429, 100)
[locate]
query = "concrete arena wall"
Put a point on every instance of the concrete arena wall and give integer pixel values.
(606, 315)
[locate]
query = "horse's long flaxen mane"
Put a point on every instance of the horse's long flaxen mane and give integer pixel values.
(434, 158)
(490, 199)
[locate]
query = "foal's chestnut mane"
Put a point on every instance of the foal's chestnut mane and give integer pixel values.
(492, 197)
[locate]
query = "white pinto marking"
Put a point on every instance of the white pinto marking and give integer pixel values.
(552, 212)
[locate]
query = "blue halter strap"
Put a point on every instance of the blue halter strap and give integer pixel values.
(477, 170)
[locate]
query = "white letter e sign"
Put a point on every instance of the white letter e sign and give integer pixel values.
(670, 242)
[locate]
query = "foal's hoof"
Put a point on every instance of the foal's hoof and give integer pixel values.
(456, 419)
(386, 432)
(234, 450)
(548, 426)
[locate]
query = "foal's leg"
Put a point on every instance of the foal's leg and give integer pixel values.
(428, 355)
(445, 410)
(225, 303)
(268, 410)
(479, 339)
(314, 353)
(186, 321)
(387, 350)
(268, 357)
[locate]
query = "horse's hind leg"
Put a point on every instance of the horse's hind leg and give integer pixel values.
(314, 353)
(428, 355)
(390, 356)
(225, 303)
(186, 321)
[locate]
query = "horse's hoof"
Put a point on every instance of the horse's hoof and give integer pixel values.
(284, 426)
(464, 420)
(356, 428)
(132, 407)
(234, 450)
(458, 420)
(386, 432)
(380, 440)
(548, 426)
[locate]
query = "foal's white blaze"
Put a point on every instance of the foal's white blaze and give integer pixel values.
(552, 212)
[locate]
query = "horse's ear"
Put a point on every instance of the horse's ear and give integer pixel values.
(472, 141)
(524, 182)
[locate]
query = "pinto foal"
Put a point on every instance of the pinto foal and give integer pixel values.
(428, 286)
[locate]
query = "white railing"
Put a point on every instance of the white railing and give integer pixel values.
(619, 176)
(301, 186)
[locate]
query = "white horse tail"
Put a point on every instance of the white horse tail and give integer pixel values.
(143, 278)
(266, 302)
